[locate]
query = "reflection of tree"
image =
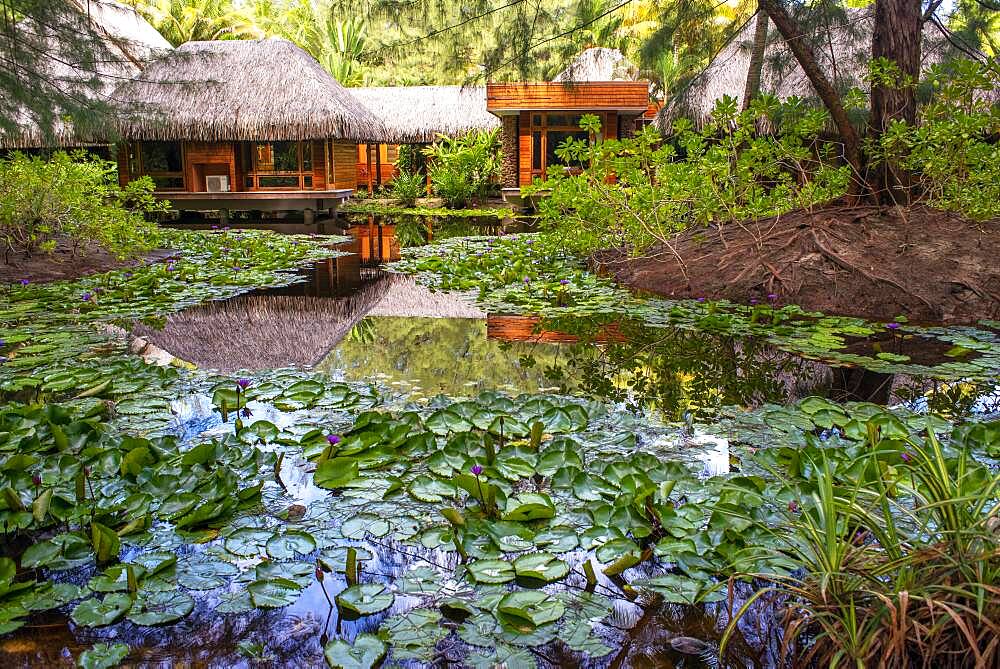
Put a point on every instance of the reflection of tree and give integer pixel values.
(448, 355)
(675, 371)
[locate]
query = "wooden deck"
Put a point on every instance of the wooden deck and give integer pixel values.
(284, 200)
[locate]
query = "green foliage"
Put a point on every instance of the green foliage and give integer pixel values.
(952, 151)
(72, 196)
(464, 167)
(407, 187)
(638, 191)
(898, 542)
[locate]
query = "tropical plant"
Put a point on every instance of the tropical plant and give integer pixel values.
(898, 548)
(637, 191)
(74, 197)
(182, 21)
(407, 187)
(463, 167)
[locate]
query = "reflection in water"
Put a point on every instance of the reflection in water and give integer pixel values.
(439, 355)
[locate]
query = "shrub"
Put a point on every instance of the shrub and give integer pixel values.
(73, 197)
(465, 166)
(898, 552)
(637, 191)
(407, 187)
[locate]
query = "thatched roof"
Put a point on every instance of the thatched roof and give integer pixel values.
(843, 49)
(417, 114)
(119, 43)
(599, 64)
(240, 90)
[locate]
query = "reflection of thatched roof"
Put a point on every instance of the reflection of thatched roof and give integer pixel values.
(234, 90)
(81, 54)
(405, 297)
(599, 64)
(262, 331)
(842, 48)
(417, 114)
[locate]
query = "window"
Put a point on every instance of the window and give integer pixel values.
(548, 133)
(163, 162)
(277, 165)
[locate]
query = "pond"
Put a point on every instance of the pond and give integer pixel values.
(304, 485)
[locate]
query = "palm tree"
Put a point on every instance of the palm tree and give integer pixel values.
(182, 21)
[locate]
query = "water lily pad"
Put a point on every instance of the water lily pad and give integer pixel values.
(53, 595)
(540, 566)
(103, 656)
(248, 541)
(366, 652)
(291, 543)
(492, 571)
(362, 524)
(529, 506)
(273, 593)
(336, 473)
(96, 612)
(527, 609)
(204, 575)
(365, 599)
(160, 608)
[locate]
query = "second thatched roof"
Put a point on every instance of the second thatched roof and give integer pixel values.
(842, 46)
(241, 90)
(418, 114)
(599, 64)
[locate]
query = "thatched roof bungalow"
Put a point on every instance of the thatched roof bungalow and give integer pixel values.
(257, 123)
(418, 114)
(842, 48)
(83, 50)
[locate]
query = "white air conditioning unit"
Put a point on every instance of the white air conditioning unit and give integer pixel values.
(217, 183)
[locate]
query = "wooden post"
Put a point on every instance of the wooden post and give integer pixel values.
(378, 164)
(368, 155)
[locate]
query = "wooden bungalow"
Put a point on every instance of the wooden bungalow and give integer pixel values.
(111, 42)
(243, 125)
(416, 115)
(538, 116)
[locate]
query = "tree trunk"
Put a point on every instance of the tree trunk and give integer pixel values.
(756, 58)
(793, 35)
(896, 38)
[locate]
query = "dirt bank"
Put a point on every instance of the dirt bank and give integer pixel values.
(877, 263)
(67, 262)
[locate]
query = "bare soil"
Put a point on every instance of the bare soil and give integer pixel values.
(67, 262)
(868, 261)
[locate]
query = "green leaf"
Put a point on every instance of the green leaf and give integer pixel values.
(365, 599)
(103, 656)
(336, 473)
(105, 542)
(288, 545)
(366, 652)
(492, 571)
(527, 609)
(529, 506)
(160, 608)
(540, 566)
(273, 593)
(95, 612)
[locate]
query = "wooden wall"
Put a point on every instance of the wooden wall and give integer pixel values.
(202, 159)
(524, 149)
(593, 95)
(345, 165)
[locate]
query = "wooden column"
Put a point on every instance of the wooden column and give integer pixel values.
(368, 155)
(378, 164)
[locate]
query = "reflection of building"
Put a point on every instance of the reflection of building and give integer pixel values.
(244, 125)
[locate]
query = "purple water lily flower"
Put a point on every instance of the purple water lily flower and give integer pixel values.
(333, 439)
(477, 469)
(527, 280)
(128, 275)
(243, 383)
(36, 479)
(246, 413)
(701, 299)
(905, 456)
(564, 282)
(236, 268)
(24, 282)
(772, 297)
(3, 359)
(86, 297)
(753, 300)
(892, 326)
